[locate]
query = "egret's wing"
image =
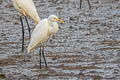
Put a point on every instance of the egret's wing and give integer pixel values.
(15, 5)
(29, 8)
(39, 35)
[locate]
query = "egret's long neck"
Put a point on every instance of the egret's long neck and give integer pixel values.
(49, 21)
(53, 27)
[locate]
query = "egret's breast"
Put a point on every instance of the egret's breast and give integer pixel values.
(53, 28)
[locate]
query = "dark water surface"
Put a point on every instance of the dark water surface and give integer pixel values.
(87, 46)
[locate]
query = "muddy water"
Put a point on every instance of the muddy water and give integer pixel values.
(87, 46)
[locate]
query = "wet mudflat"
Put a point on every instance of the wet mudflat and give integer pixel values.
(87, 46)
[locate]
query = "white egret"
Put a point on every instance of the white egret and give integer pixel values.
(41, 33)
(26, 8)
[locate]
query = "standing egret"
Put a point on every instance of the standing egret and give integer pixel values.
(41, 33)
(26, 8)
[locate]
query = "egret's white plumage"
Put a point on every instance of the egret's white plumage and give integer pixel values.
(43, 30)
(27, 8)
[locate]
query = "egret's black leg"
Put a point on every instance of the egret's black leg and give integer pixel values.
(80, 3)
(40, 57)
(89, 4)
(22, 33)
(28, 27)
(44, 55)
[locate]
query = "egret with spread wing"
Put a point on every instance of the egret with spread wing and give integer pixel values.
(41, 33)
(26, 8)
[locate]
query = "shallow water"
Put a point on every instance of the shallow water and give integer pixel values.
(87, 46)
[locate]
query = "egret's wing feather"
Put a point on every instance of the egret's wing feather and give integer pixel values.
(39, 35)
(15, 4)
(29, 8)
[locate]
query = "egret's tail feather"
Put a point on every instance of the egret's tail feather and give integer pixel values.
(30, 49)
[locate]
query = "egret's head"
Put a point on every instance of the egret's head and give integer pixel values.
(54, 18)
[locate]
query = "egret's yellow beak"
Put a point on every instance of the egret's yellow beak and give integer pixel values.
(60, 20)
